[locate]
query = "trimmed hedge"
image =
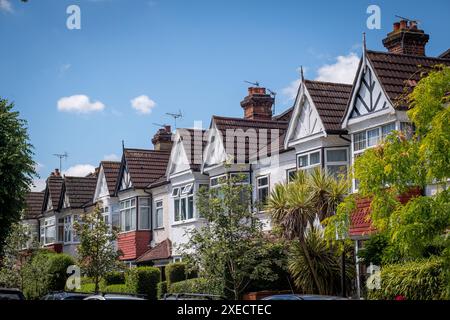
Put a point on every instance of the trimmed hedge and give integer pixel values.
(114, 277)
(162, 289)
(416, 280)
(117, 288)
(86, 288)
(197, 285)
(143, 280)
(175, 272)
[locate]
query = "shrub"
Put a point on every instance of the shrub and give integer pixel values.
(162, 289)
(415, 280)
(117, 288)
(58, 264)
(143, 280)
(86, 288)
(114, 277)
(197, 285)
(175, 272)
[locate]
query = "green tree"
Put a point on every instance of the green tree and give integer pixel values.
(16, 168)
(230, 245)
(97, 254)
(296, 205)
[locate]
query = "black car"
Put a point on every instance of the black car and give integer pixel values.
(11, 294)
(65, 296)
(301, 297)
(191, 296)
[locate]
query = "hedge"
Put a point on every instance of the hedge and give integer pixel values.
(176, 272)
(117, 288)
(197, 285)
(114, 277)
(143, 280)
(86, 288)
(416, 280)
(162, 289)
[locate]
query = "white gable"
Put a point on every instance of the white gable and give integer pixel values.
(214, 151)
(66, 203)
(179, 161)
(368, 97)
(125, 182)
(49, 204)
(101, 189)
(305, 121)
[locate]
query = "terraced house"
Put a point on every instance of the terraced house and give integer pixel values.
(150, 194)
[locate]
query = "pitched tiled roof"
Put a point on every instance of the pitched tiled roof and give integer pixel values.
(54, 187)
(146, 166)
(398, 71)
(162, 250)
(159, 182)
(284, 116)
(331, 100)
(34, 202)
(194, 146)
(270, 126)
(111, 170)
(445, 55)
(79, 190)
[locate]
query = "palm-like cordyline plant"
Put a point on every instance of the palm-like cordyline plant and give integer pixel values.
(294, 206)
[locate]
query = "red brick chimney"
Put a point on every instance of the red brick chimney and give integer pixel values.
(258, 104)
(57, 173)
(162, 140)
(406, 38)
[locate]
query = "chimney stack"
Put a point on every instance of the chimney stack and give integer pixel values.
(406, 38)
(162, 140)
(257, 105)
(57, 173)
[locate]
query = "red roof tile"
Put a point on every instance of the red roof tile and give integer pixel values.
(162, 250)
(34, 202)
(79, 190)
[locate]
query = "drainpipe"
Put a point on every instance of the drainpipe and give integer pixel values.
(151, 213)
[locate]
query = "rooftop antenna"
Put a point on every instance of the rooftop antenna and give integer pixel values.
(61, 156)
(256, 83)
(175, 116)
(159, 125)
(407, 19)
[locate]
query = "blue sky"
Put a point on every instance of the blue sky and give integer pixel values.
(165, 55)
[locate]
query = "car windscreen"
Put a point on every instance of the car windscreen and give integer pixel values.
(9, 296)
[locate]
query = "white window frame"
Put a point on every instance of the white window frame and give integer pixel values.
(68, 227)
(288, 172)
(159, 205)
(219, 183)
(139, 212)
(337, 163)
(308, 155)
(123, 213)
(266, 186)
(244, 181)
(185, 197)
(48, 224)
(176, 192)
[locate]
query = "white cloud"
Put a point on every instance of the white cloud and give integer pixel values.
(111, 157)
(79, 104)
(38, 185)
(143, 104)
(5, 5)
(343, 71)
(79, 170)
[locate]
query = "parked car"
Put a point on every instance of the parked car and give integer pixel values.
(301, 297)
(11, 294)
(65, 296)
(191, 296)
(113, 297)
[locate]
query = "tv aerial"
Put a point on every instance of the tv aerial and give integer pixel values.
(175, 116)
(256, 83)
(274, 95)
(61, 156)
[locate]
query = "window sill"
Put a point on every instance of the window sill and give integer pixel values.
(187, 221)
(158, 229)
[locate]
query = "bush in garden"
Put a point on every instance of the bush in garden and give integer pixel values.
(176, 272)
(86, 288)
(58, 264)
(162, 289)
(114, 277)
(197, 285)
(143, 280)
(415, 280)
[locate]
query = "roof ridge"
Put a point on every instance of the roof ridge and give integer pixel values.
(329, 82)
(249, 120)
(406, 55)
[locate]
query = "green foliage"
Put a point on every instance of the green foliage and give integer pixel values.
(326, 261)
(114, 277)
(96, 252)
(143, 280)
(198, 285)
(230, 246)
(117, 288)
(373, 249)
(162, 289)
(45, 272)
(415, 280)
(175, 272)
(16, 168)
(86, 288)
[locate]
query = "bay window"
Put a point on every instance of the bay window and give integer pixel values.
(128, 215)
(373, 137)
(183, 203)
(144, 213)
(262, 187)
(61, 230)
(75, 236)
(336, 162)
(68, 229)
(308, 161)
(49, 232)
(290, 174)
(158, 214)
